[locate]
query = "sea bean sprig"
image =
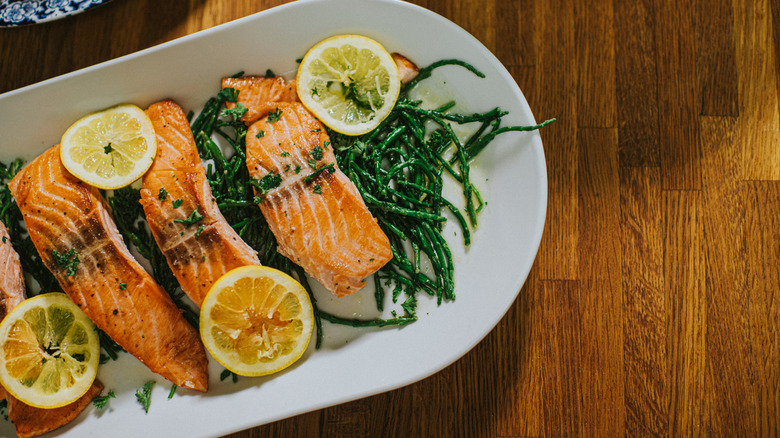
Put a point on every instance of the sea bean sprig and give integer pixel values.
(399, 170)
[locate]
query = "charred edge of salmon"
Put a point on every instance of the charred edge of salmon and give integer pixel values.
(141, 316)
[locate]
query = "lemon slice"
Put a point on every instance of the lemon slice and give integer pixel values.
(49, 351)
(111, 148)
(256, 320)
(349, 82)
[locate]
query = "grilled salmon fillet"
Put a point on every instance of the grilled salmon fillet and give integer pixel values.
(198, 252)
(28, 420)
(316, 213)
(12, 290)
(259, 93)
(67, 218)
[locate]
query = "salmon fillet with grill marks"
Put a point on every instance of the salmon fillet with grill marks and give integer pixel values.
(316, 214)
(63, 214)
(28, 420)
(200, 253)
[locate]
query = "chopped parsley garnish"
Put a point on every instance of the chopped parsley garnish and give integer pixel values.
(312, 163)
(101, 401)
(144, 395)
(200, 230)
(297, 168)
(229, 94)
(237, 112)
(4, 239)
(326, 144)
(267, 183)
(67, 261)
(317, 189)
(410, 305)
(177, 203)
(191, 220)
(227, 373)
(284, 154)
(122, 286)
(274, 116)
(260, 134)
(108, 149)
(314, 92)
(163, 194)
(316, 153)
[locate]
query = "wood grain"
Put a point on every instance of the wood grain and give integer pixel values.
(758, 82)
(594, 31)
(555, 44)
(677, 103)
(716, 65)
(644, 310)
(653, 307)
(636, 83)
(763, 282)
(686, 306)
(601, 294)
(728, 390)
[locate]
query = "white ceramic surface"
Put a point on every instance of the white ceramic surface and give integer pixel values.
(353, 363)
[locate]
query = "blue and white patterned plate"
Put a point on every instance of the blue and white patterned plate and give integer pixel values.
(21, 12)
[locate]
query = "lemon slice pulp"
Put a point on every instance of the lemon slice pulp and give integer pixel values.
(111, 148)
(49, 351)
(256, 320)
(349, 82)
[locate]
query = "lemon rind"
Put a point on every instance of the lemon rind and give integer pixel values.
(259, 369)
(69, 396)
(142, 165)
(302, 87)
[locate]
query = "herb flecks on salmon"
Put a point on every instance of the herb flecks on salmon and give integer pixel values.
(316, 214)
(191, 228)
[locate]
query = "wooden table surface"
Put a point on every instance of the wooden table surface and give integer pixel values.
(652, 308)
